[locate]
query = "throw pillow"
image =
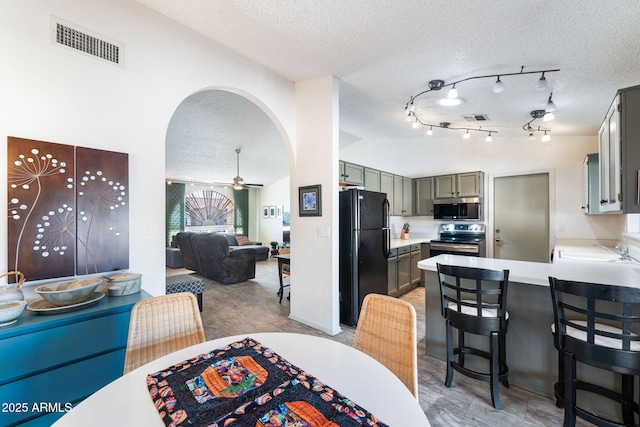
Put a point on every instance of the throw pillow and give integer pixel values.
(242, 240)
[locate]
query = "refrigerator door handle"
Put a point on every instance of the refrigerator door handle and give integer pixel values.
(386, 209)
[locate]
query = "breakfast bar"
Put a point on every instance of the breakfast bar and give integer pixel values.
(531, 356)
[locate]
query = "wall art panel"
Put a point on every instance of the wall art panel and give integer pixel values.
(103, 211)
(41, 208)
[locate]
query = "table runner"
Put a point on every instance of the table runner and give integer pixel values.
(247, 384)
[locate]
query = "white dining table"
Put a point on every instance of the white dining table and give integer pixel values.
(126, 401)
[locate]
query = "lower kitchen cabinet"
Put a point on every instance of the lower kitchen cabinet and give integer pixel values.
(403, 272)
(54, 361)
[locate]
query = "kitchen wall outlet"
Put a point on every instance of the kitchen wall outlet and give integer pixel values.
(324, 232)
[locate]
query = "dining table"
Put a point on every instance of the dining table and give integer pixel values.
(363, 380)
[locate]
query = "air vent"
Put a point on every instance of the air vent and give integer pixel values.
(80, 40)
(476, 118)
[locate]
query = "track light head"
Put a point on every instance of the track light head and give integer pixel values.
(498, 87)
(551, 107)
(542, 83)
(453, 92)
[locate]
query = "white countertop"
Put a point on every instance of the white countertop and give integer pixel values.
(397, 243)
(537, 273)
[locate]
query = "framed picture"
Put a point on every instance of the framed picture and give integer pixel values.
(310, 200)
(265, 212)
(272, 211)
(279, 211)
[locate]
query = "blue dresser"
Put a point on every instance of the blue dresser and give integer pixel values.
(50, 362)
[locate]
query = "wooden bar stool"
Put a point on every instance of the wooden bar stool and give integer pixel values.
(474, 300)
(596, 325)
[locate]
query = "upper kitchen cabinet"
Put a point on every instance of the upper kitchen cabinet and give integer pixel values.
(386, 186)
(619, 150)
(371, 179)
(591, 185)
(423, 201)
(468, 184)
(402, 196)
(351, 174)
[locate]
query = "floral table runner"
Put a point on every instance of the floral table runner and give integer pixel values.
(246, 384)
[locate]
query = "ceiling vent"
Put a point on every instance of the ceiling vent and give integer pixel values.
(476, 118)
(73, 37)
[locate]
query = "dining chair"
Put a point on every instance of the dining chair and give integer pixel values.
(386, 331)
(596, 325)
(474, 301)
(161, 325)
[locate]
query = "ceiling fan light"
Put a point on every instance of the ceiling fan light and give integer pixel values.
(453, 92)
(237, 186)
(498, 87)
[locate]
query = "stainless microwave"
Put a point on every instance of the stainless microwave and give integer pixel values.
(460, 208)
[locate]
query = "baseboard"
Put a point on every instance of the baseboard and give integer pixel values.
(314, 325)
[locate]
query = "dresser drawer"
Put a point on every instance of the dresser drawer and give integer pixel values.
(49, 348)
(69, 384)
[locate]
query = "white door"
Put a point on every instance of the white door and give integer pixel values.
(521, 217)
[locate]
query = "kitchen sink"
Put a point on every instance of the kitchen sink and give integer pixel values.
(598, 256)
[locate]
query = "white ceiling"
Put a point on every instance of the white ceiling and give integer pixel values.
(385, 51)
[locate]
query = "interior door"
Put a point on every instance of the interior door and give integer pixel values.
(521, 217)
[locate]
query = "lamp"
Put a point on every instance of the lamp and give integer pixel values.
(551, 107)
(546, 137)
(453, 92)
(498, 87)
(430, 131)
(489, 138)
(466, 135)
(542, 82)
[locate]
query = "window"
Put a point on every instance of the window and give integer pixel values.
(208, 208)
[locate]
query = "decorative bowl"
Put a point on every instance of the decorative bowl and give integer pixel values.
(123, 284)
(10, 310)
(68, 292)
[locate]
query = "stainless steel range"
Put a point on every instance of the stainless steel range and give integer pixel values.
(460, 239)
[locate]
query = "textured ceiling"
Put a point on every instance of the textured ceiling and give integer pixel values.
(385, 51)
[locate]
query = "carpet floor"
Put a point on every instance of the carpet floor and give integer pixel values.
(252, 306)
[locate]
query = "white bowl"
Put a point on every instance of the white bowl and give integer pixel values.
(10, 310)
(68, 292)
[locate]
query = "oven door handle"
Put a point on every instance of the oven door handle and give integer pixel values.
(455, 247)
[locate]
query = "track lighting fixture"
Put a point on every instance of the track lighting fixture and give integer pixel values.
(542, 82)
(447, 125)
(551, 107)
(430, 131)
(452, 98)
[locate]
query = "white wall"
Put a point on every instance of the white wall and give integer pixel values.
(436, 156)
(52, 94)
(276, 194)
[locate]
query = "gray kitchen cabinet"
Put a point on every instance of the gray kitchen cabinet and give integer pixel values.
(416, 255)
(469, 184)
(392, 273)
(591, 185)
(371, 179)
(396, 207)
(351, 173)
(386, 186)
(407, 196)
(404, 269)
(340, 171)
(423, 201)
(619, 152)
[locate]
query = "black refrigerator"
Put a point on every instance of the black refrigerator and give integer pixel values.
(364, 249)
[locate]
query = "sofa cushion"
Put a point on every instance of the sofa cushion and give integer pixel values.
(231, 238)
(243, 240)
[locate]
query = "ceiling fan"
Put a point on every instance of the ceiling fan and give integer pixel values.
(238, 181)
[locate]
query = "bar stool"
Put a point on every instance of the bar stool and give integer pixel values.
(596, 325)
(474, 301)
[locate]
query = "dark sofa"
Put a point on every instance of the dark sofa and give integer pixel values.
(208, 255)
(262, 252)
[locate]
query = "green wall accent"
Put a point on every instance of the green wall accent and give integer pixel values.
(175, 210)
(241, 211)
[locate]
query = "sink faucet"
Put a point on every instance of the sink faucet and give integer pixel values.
(622, 248)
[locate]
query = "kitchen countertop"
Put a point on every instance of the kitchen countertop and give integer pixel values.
(398, 243)
(537, 273)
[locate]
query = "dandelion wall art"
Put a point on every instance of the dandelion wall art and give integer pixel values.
(67, 209)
